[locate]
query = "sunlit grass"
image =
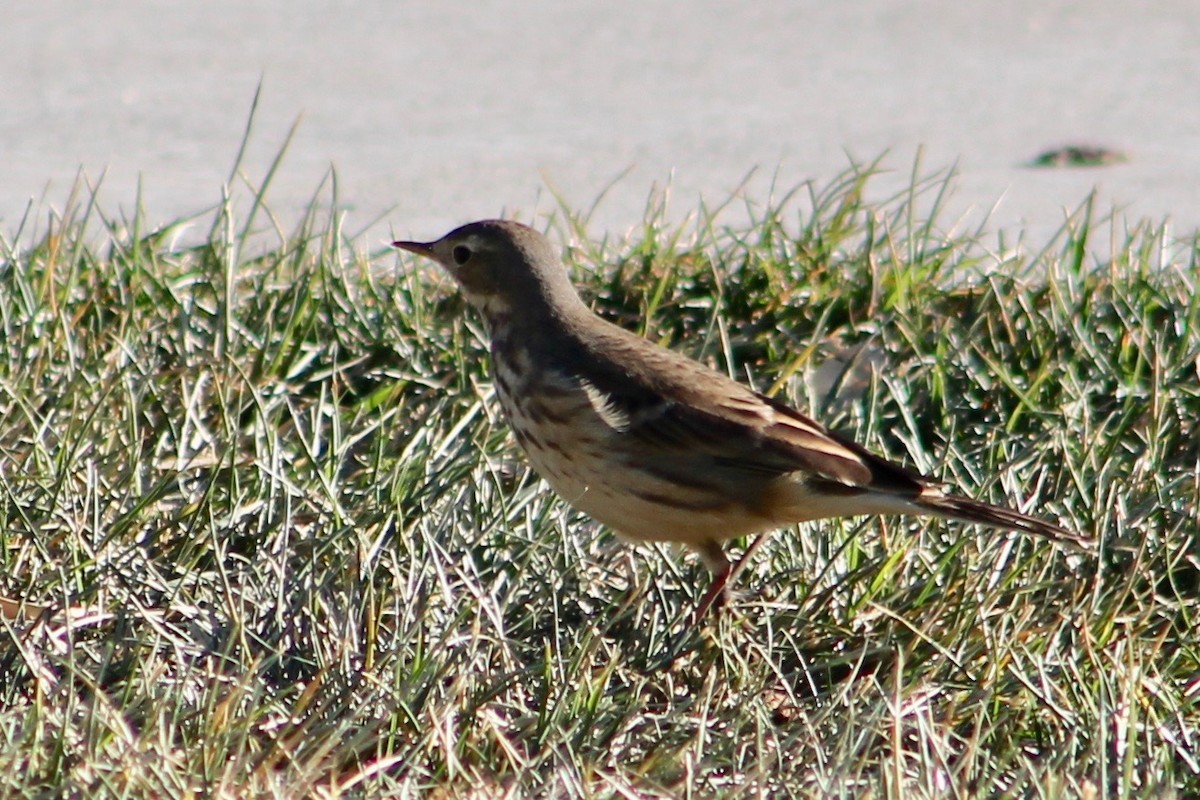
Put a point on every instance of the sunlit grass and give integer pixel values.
(273, 539)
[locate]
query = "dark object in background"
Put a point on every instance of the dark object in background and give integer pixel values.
(1076, 155)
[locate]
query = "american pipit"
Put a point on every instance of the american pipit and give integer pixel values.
(651, 443)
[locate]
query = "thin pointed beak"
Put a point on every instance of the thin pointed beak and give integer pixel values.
(420, 248)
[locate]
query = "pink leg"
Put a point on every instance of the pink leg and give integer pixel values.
(724, 575)
(714, 596)
(744, 561)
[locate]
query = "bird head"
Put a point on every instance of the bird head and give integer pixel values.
(505, 269)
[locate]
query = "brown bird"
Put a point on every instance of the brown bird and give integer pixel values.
(651, 443)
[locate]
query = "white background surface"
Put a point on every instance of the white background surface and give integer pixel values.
(434, 114)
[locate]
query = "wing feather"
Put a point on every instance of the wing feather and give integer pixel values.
(682, 420)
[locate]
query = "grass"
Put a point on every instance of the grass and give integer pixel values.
(262, 532)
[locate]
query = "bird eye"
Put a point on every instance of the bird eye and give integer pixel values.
(461, 254)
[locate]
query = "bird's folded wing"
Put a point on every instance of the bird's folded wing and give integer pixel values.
(737, 431)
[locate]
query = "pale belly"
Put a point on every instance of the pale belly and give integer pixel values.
(573, 449)
(641, 516)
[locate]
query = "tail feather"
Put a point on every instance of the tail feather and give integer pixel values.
(935, 502)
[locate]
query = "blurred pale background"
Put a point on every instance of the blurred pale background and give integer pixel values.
(434, 114)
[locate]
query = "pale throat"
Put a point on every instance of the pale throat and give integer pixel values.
(496, 311)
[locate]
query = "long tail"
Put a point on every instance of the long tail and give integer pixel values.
(937, 503)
